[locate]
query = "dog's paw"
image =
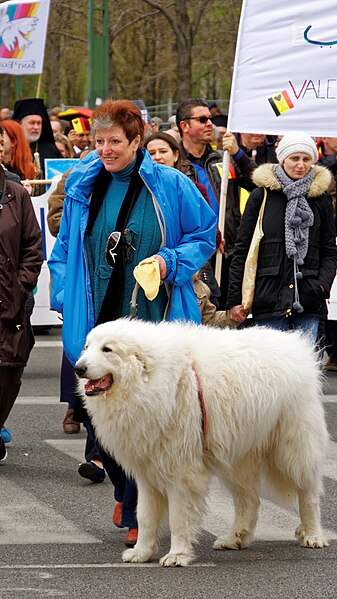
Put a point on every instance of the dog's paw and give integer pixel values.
(237, 540)
(136, 556)
(171, 560)
(316, 541)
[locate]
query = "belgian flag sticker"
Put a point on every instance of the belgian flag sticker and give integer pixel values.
(280, 103)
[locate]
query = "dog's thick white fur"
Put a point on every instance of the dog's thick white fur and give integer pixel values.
(265, 420)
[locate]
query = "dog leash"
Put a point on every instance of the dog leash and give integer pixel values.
(201, 400)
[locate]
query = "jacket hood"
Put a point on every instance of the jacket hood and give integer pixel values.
(80, 183)
(264, 176)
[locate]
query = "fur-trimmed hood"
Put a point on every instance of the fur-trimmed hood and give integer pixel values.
(264, 176)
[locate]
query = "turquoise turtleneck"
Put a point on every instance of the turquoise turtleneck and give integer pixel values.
(146, 239)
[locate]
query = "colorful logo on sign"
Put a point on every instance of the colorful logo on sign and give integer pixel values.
(280, 103)
(16, 24)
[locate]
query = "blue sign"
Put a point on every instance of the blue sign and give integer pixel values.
(58, 166)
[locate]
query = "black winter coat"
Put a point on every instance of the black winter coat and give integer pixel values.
(274, 285)
(20, 263)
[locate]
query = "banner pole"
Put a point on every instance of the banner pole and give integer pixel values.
(38, 90)
(222, 211)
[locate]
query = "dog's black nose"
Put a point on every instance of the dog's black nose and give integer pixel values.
(80, 371)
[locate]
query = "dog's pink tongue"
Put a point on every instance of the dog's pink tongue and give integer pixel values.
(98, 385)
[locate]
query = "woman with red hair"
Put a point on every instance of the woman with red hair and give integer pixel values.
(121, 208)
(17, 154)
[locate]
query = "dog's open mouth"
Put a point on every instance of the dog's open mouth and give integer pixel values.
(96, 386)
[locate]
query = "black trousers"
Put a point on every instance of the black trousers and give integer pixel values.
(10, 383)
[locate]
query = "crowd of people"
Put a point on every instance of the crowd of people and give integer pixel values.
(146, 196)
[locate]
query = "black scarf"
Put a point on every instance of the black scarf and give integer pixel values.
(112, 303)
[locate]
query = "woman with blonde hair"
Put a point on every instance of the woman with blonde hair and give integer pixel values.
(64, 146)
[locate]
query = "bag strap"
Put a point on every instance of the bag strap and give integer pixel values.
(263, 205)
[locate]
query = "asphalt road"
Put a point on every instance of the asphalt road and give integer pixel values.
(57, 538)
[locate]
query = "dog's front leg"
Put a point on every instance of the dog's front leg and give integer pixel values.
(150, 507)
(184, 517)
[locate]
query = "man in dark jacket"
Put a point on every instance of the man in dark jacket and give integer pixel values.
(20, 263)
(260, 148)
(327, 150)
(193, 118)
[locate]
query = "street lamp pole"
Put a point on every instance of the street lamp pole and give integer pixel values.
(98, 58)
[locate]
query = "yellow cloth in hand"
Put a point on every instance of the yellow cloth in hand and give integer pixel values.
(147, 276)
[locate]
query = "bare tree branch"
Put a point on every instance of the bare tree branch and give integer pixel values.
(68, 6)
(198, 15)
(163, 10)
(115, 33)
(73, 37)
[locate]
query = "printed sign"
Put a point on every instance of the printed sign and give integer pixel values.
(23, 30)
(285, 74)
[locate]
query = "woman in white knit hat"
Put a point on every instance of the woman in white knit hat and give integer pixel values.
(297, 255)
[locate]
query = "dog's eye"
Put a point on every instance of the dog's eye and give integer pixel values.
(107, 349)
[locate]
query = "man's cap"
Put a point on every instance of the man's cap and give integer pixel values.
(29, 106)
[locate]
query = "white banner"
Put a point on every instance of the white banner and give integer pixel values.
(285, 72)
(23, 30)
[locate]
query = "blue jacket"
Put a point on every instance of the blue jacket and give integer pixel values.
(188, 239)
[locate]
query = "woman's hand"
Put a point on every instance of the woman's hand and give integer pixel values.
(238, 314)
(162, 265)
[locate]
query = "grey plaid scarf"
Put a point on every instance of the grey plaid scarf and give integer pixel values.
(298, 218)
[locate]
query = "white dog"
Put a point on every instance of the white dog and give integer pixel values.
(152, 389)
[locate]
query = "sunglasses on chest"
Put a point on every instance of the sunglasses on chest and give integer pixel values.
(114, 239)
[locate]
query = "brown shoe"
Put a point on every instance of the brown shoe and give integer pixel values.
(132, 537)
(117, 515)
(69, 425)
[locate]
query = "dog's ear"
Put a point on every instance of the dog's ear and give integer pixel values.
(142, 363)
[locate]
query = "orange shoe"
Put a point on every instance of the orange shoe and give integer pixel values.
(117, 515)
(132, 537)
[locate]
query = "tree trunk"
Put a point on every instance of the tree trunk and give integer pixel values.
(184, 42)
(184, 26)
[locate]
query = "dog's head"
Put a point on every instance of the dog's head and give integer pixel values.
(113, 356)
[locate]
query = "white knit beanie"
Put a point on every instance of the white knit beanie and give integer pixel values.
(296, 141)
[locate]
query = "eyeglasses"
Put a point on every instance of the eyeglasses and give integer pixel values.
(112, 243)
(201, 119)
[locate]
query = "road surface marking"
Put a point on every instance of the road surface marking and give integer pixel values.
(26, 520)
